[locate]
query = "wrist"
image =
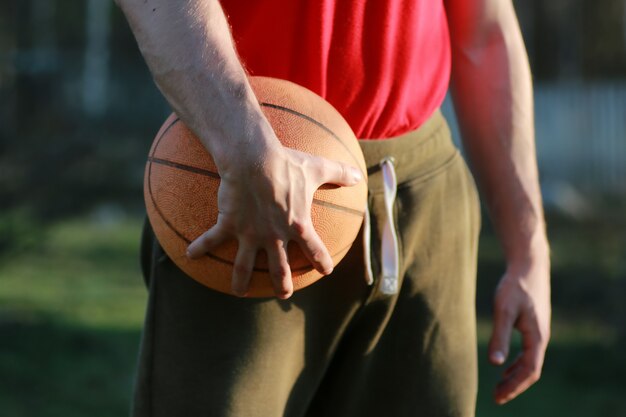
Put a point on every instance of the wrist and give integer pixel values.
(535, 251)
(244, 150)
(241, 140)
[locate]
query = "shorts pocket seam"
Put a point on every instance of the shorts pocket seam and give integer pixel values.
(431, 174)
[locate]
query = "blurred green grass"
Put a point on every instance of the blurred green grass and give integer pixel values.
(71, 309)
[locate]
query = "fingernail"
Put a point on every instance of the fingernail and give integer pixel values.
(356, 175)
(328, 271)
(283, 295)
(497, 357)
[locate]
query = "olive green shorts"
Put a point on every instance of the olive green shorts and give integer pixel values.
(339, 347)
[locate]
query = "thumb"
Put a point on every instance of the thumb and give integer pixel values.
(338, 173)
(503, 321)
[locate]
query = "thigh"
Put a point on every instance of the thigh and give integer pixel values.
(414, 353)
(434, 318)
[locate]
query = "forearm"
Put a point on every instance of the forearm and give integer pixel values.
(188, 48)
(491, 86)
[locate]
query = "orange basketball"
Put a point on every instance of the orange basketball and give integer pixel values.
(181, 183)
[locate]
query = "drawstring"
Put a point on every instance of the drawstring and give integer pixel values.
(369, 275)
(389, 245)
(389, 241)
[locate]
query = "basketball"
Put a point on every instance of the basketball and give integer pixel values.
(181, 183)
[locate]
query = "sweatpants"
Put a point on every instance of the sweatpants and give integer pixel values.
(342, 346)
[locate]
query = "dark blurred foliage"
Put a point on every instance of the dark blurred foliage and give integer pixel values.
(58, 159)
(574, 39)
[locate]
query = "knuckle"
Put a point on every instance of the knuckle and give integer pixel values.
(344, 172)
(280, 274)
(276, 243)
(226, 225)
(300, 227)
(499, 302)
(542, 339)
(319, 255)
(272, 240)
(505, 309)
(242, 271)
(247, 232)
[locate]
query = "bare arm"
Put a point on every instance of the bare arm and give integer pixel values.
(492, 91)
(266, 190)
(188, 48)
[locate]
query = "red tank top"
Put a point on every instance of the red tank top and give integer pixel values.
(384, 64)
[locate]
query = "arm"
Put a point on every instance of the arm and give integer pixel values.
(266, 190)
(492, 91)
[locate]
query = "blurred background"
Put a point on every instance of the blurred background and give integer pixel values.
(78, 111)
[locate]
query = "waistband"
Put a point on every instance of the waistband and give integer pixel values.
(416, 154)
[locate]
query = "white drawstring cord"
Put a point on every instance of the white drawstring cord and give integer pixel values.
(367, 233)
(390, 262)
(389, 243)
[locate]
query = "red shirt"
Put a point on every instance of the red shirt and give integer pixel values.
(384, 64)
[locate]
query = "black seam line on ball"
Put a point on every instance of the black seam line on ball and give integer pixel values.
(211, 174)
(195, 170)
(163, 134)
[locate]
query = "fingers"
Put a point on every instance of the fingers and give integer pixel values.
(242, 268)
(279, 269)
(332, 172)
(513, 368)
(313, 248)
(526, 369)
(524, 372)
(503, 320)
(207, 242)
(280, 272)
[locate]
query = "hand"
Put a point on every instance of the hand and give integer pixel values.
(522, 301)
(264, 203)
